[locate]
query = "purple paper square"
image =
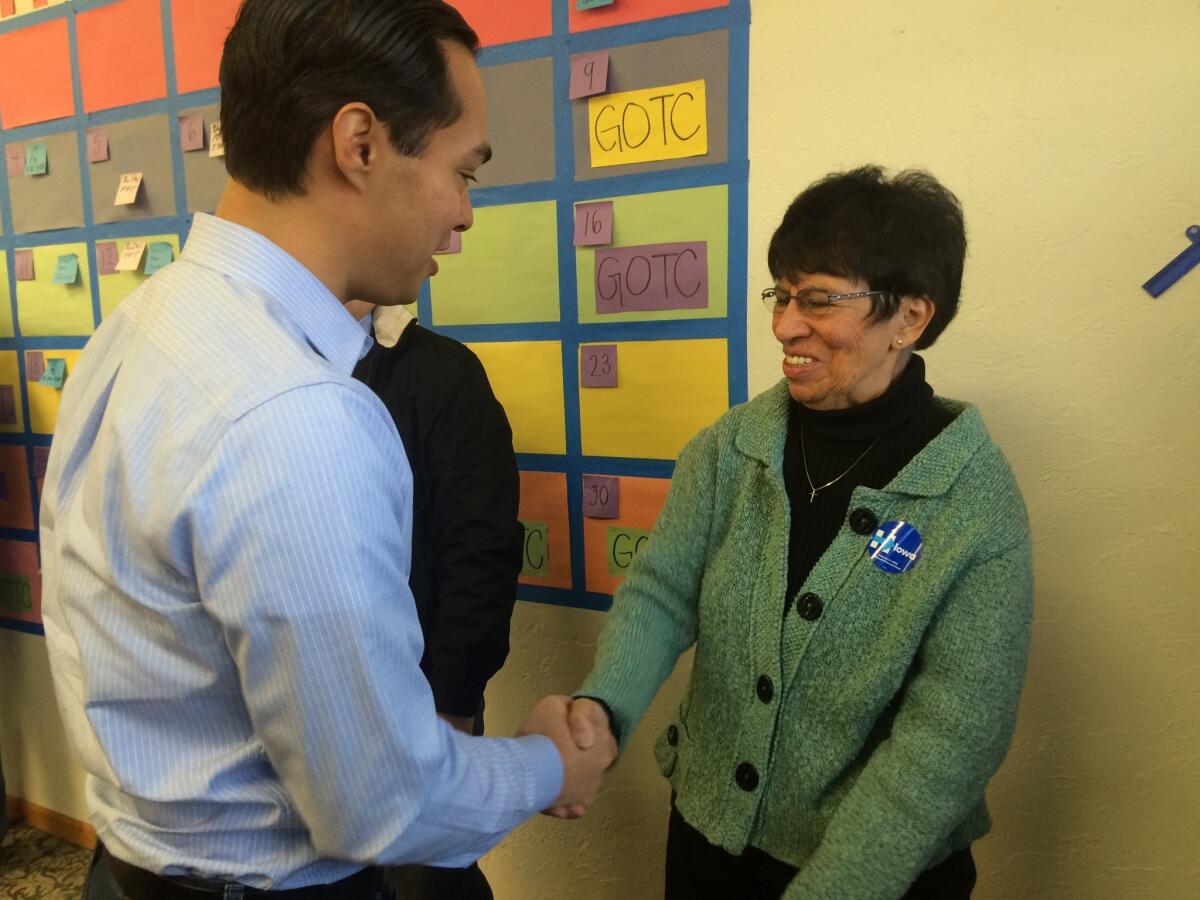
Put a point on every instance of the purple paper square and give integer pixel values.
(598, 366)
(593, 223)
(107, 256)
(97, 145)
(601, 496)
(14, 155)
(589, 74)
(23, 263)
(35, 365)
(41, 456)
(652, 277)
(8, 405)
(191, 132)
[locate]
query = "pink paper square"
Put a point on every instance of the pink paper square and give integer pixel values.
(598, 366)
(589, 74)
(107, 255)
(97, 145)
(14, 158)
(593, 224)
(191, 132)
(601, 497)
(23, 264)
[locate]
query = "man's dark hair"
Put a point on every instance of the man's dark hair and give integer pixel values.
(290, 65)
(903, 236)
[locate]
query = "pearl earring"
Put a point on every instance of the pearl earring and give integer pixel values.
(899, 343)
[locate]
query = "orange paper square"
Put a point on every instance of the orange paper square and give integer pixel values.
(121, 54)
(200, 32)
(625, 11)
(35, 75)
(503, 23)
(544, 499)
(641, 500)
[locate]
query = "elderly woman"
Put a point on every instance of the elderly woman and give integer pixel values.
(850, 555)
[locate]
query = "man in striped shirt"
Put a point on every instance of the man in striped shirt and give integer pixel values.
(226, 516)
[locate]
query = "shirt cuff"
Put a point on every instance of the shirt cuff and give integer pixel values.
(545, 770)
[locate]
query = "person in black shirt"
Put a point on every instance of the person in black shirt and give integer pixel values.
(466, 551)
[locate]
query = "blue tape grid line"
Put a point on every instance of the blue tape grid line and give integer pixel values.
(734, 18)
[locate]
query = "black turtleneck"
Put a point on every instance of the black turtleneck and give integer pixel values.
(898, 423)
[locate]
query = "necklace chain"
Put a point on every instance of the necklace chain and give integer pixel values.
(804, 456)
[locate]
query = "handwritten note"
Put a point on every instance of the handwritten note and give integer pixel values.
(216, 143)
(55, 373)
(593, 223)
(97, 145)
(191, 132)
(127, 189)
(668, 122)
(107, 256)
(624, 544)
(536, 550)
(14, 158)
(592, 4)
(589, 74)
(67, 270)
(35, 364)
(23, 264)
(158, 254)
(601, 496)
(131, 258)
(35, 159)
(652, 277)
(598, 366)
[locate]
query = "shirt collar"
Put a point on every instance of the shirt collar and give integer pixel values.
(300, 300)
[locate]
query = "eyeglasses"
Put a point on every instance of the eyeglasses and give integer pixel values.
(810, 300)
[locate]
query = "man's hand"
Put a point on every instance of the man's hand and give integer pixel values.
(465, 724)
(583, 768)
(589, 723)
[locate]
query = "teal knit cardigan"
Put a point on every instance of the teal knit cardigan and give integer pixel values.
(890, 711)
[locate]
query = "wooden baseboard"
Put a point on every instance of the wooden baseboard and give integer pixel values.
(49, 821)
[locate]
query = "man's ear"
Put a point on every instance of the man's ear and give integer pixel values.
(356, 134)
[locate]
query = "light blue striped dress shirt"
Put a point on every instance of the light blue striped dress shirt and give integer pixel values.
(225, 544)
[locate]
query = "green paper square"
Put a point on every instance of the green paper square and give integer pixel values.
(55, 373)
(158, 254)
(623, 545)
(535, 555)
(35, 159)
(67, 269)
(16, 594)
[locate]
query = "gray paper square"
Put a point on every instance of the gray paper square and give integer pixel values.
(655, 64)
(140, 145)
(204, 176)
(520, 122)
(53, 200)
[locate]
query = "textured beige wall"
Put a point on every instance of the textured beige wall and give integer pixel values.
(1070, 131)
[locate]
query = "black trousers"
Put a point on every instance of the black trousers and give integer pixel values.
(697, 870)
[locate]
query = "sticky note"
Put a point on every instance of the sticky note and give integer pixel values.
(131, 259)
(35, 364)
(669, 122)
(107, 256)
(592, 4)
(67, 270)
(598, 366)
(35, 159)
(216, 143)
(97, 145)
(623, 546)
(127, 189)
(601, 497)
(14, 158)
(535, 555)
(41, 458)
(55, 373)
(158, 254)
(593, 223)
(8, 405)
(589, 74)
(452, 245)
(23, 264)
(651, 277)
(191, 132)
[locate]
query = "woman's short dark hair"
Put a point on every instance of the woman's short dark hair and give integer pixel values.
(290, 65)
(902, 235)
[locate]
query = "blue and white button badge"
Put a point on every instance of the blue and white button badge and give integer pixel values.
(895, 547)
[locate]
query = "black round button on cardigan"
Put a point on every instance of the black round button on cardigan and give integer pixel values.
(746, 777)
(810, 607)
(863, 521)
(672, 735)
(765, 689)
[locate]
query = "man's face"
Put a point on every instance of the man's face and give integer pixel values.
(425, 198)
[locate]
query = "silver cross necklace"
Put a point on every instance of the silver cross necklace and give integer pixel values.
(804, 456)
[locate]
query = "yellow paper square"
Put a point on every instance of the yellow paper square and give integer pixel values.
(43, 400)
(46, 309)
(669, 122)
(116, 287)
(527, 377)
(10, 374)
(667, 391)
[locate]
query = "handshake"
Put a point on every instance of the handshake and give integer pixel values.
(579, 729)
